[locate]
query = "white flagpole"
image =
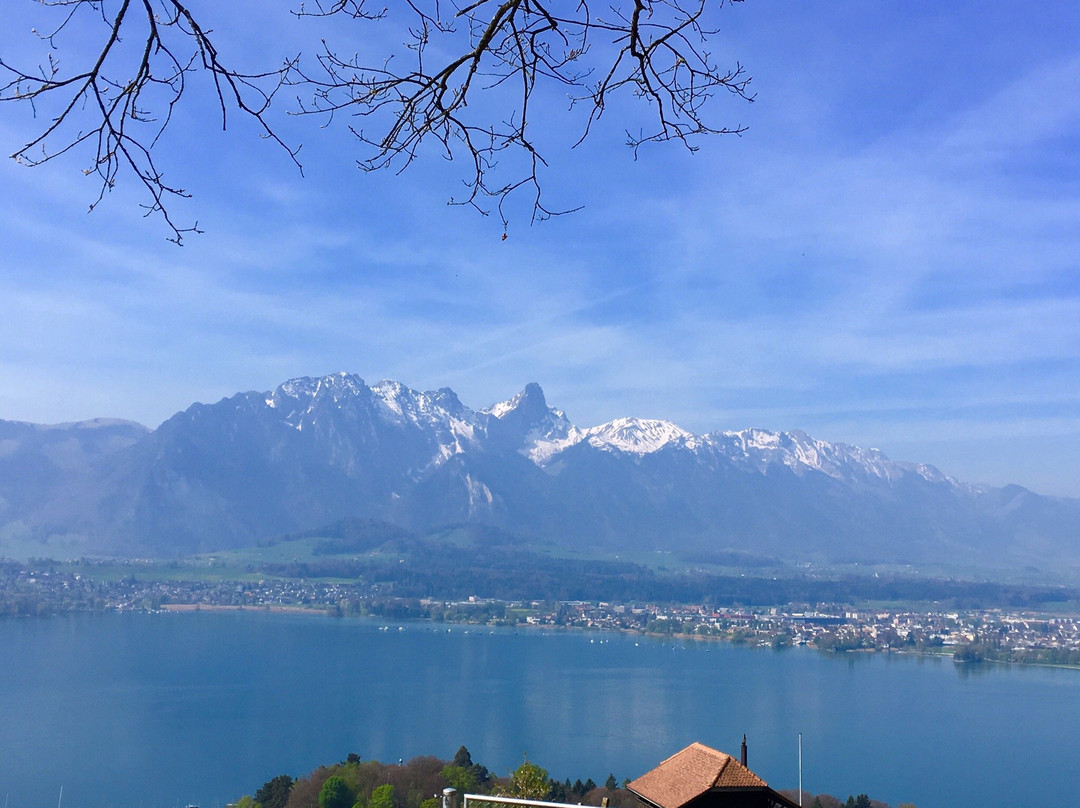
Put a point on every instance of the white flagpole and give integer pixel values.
(800, 769)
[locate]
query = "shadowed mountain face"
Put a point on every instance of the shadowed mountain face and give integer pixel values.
(320, 449)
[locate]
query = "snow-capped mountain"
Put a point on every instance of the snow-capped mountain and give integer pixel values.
(318, 449)
(530, 425)
(758, 449)
(323, 403)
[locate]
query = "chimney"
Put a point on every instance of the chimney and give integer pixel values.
(742, 751)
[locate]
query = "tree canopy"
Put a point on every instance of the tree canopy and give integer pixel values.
(335, 793)
(528, 781)
(113, 72)
(462, 757)
(275, 793)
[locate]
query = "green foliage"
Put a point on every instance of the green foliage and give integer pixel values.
(382, 797)
(825, 801)
(472, 777)
(462, 758)
(275, 793)
(843, 640)
(971, 652)
(461, 778)
(559, 792)
(245, 802)
(528, 782)
(984, 651)
(335, 793)
(362, 777)
(371, 784)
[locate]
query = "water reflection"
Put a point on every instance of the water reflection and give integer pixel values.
(216, 704)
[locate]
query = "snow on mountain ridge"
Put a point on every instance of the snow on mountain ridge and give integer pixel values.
(307, 391)
(753, 448)
(545, 431)
(400, 404)
(633, 436)
(531, 407)
(540, 449)
(439, 415)
(503, 407)
(639, 435)
(800, 452)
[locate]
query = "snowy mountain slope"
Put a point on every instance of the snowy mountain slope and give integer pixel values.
(758, 449)
(317, 449)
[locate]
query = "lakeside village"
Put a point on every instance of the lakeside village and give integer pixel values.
(974, 635)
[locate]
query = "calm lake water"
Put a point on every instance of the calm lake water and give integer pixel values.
(169, 709)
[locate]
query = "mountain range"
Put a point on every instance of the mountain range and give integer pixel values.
(316, 450)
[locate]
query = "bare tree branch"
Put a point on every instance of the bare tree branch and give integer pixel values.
(650, 50)
(128, 93)
(409, 102)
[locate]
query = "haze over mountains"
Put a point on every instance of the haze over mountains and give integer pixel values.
(316, 450)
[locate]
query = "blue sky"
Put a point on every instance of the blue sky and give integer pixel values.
(887, 257)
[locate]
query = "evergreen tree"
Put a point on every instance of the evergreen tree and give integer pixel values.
(462, 757)
(275, 793)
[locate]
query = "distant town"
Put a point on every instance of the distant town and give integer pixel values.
(968, 635)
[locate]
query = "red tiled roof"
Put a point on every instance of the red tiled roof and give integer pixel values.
(690, 773)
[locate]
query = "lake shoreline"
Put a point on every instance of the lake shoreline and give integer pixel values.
(321, 611)
(224, 607)
(215, 701)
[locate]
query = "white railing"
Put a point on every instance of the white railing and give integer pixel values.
(517, 801)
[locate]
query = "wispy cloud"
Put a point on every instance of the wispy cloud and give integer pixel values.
(875, 261)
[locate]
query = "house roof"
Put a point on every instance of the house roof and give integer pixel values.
(690, 773)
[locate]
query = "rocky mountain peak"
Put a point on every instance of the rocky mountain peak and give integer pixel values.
(314, 448)
(528, 406)
(639, 435)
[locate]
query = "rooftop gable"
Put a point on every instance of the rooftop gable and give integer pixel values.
(690, 773)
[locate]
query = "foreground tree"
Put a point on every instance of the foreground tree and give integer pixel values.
(463, 758)
(528, 781)
(460, 778)
(335, 793)
(275, 793)
(383, 797)
(115, 100)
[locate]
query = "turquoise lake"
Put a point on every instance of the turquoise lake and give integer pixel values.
(165, 710)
